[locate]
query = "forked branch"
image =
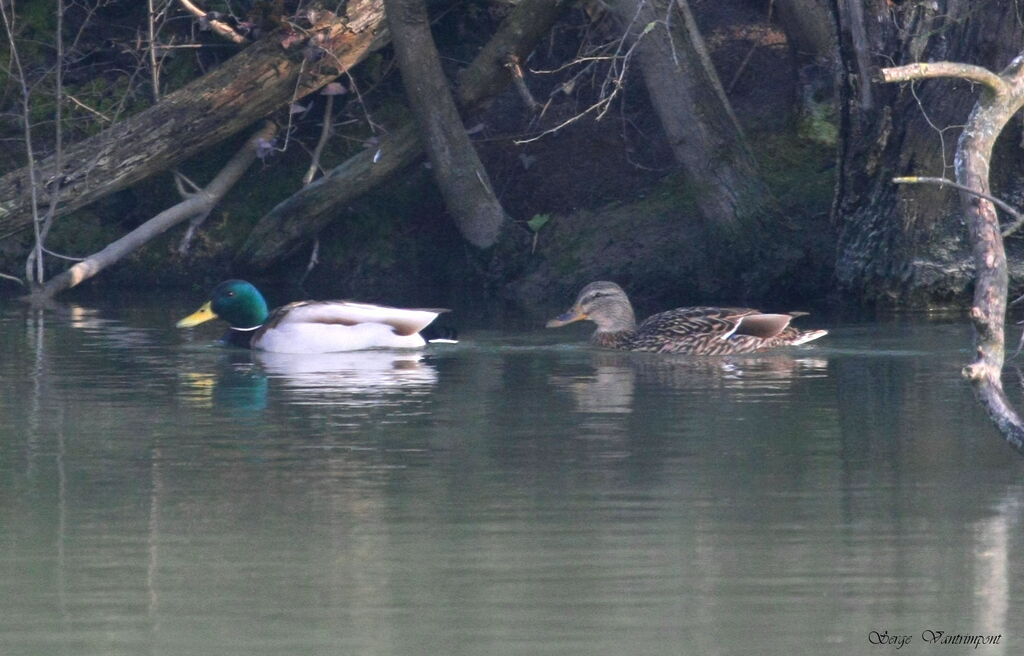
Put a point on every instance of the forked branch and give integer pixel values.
(990, 115)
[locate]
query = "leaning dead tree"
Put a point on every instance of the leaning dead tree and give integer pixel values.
(460, 175)
(297, 220)
(1002, 96)
(196, 204)
(283, 66)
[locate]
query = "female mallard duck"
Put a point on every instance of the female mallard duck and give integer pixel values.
(309, 326)
(696, 330)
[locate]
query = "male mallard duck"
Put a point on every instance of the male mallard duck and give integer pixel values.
(696, 330)
(309, 326)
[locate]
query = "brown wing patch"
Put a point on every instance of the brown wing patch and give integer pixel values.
(403, 328)
(763, 325)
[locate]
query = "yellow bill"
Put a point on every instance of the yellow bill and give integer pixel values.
(567, 317)
(201, 315)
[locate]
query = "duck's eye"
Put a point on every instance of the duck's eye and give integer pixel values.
(231, 293)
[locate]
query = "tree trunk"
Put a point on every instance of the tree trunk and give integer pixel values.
(904, 246)
(259, 79)
(460, 175)
(297, 220)
(698, 120)
(810, 28)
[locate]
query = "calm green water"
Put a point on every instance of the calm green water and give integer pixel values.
(518, 493)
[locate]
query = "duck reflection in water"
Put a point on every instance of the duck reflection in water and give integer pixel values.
(611, 387)
(243, 381)
(349, 378)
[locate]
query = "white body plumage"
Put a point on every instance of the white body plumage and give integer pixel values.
(332, 326)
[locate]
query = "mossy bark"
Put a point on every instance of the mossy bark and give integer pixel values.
(905, 246)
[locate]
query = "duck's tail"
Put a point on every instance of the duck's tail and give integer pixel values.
(437, 333)
(805, 336)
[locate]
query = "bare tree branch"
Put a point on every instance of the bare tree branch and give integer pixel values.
(515, 68)
(325, 134)
(5, 276)
(926, 70)
(219, 27)
(944, 182)
(199, 203)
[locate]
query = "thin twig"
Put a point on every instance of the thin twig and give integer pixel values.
(325, 134)
(180, 179)
(219, 27)
(359, 96)
(88, 109)
(54, 185)
(578, 60)
(516, 70)
(942, 182)
(70, 258)
(606, 97)
(15, 279)
(190, 232)
(314, 259)
(154, 68)
(941, 131)
(746, 60)
(19, 76)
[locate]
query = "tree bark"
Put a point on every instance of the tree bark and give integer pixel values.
(199, 203)
(810, 28)
(705, 137)
(298, 219)
(1002, 97)
(897, 246)
(251, 84)
(460, 175)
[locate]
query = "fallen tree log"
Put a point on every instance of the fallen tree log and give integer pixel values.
(297, 220)
(198, 203)
(253, 83)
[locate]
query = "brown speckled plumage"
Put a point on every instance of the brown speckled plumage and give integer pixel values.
(695, 330)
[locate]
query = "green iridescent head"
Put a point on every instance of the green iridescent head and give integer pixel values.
(234, 301)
